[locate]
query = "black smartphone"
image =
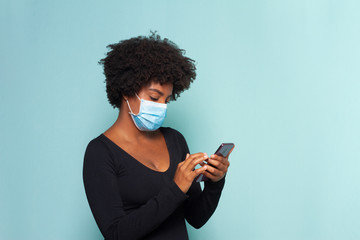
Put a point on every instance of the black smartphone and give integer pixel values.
(223, 150)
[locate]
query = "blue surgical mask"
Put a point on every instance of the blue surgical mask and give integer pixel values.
(151, 115)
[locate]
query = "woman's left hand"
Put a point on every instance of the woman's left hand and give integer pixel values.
(217, 167)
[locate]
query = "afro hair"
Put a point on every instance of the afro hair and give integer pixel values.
(134, 63)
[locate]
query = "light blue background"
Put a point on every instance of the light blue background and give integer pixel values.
(278, 78)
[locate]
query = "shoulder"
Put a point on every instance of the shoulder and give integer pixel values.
(175, 137)
(97, 144)
(172, 132)
(102, 154)
(97, 149)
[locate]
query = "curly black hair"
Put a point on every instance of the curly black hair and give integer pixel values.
(136, 62)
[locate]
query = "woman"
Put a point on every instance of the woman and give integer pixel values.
(138, 176)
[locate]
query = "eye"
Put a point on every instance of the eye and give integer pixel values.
(167, 101)
(154, 99)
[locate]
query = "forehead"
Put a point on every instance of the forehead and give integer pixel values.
(166, 88)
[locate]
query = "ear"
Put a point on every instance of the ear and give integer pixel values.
(125, 97)
(123, 104)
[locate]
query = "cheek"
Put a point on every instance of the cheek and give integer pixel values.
(135, 105)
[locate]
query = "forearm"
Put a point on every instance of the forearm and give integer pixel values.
(202, 204)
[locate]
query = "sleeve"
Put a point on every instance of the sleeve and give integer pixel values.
(201, 204)
(100, 182)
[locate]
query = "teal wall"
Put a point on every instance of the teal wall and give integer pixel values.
(280, 79)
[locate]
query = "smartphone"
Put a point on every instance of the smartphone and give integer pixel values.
(223, 151)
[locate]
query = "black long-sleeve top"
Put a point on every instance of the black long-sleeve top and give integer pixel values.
(131, 201)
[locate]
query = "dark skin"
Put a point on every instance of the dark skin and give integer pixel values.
(149, 148)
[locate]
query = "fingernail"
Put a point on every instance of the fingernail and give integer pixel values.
(205, 155)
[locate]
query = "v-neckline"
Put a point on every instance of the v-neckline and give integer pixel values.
(140, 163)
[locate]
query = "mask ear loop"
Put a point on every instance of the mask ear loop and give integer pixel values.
(138, 97)
(131, 112)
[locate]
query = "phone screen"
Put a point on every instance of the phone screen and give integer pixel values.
(223, 150)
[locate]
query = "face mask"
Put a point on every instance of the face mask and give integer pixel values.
(151, 115)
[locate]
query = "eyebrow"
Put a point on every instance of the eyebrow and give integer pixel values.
(158, 91)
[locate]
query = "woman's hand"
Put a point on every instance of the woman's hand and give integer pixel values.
(185, 173)
(217, 167)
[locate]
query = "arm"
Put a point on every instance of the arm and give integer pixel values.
(201, 204)
(100, 181)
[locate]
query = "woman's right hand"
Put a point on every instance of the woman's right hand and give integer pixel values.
(185, 173)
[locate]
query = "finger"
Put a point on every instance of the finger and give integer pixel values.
(189, 158)
(186, 157)
(217, 164)
(223, 161)
(197, 161)
(200, 170)
(212, 177)
(209, 175)
(217, 157)
(214, 171)
(194, 160)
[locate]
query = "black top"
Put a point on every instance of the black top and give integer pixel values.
(131, 201)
